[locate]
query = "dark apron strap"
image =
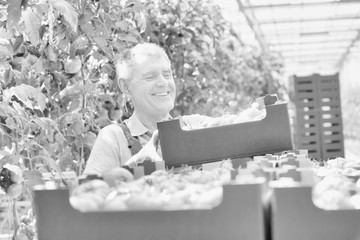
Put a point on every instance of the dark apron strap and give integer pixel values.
(133, 143)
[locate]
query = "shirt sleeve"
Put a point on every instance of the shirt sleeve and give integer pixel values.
(106, 152)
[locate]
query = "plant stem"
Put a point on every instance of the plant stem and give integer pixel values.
(81, 160)
(15, 217)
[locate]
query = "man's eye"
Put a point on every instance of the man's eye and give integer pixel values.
(167, 75)
(149, 77)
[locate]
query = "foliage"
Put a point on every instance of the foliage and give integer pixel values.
(58, 76)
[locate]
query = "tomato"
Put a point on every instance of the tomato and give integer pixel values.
(13, 172)
(117, 175)
(83, 204)
(14, 190)
(15, 177)
(118, 203)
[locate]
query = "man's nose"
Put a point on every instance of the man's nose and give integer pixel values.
(162, 81)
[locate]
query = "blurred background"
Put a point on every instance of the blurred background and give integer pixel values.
(312, 38)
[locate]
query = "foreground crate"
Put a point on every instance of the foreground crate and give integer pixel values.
(294, 216)
(239, 216)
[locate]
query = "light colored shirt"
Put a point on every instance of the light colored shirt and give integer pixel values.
(111, 146)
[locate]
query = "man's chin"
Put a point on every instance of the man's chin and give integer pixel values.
(164, 110)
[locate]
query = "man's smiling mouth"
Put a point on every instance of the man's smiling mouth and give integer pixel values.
(163, 94)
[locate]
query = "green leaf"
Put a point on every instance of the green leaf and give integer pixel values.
(67, 10)
(48, 123)
(72, 66)
(14, 13)
(129, 38)
(100, 41)
(50, 53)
(64, 44)
(79, 45)
(105, 4)
(39, 65)
(75, 104)
(49, 162)
(32, 25)
(3, 153)
(18, 43)
(89, 139)
(6, 109)
(141, 21)
(123, 25)
(135, 5)
(85, 23)
(5, 141)
(28, 95)
(65, 158)
(89, 87)
(19, 109)
(4, 33)
(109, 69)
(5, 49)
(11, 159)
(32, 178)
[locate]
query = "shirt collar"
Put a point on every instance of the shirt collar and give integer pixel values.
(136, 127)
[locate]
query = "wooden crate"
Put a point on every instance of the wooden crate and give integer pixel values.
(318, 122)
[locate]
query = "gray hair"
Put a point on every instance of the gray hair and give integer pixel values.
(125, 64)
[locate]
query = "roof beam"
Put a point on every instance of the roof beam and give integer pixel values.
(305, 51)
(347, 52)
(326, 56)
(307, 42)
(251, 20)
(284, 34)
(286, 5)
(308, 20)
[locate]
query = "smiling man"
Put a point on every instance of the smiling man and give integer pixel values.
(145, 77)
(150, 85)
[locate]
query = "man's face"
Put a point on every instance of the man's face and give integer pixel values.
(152, 86)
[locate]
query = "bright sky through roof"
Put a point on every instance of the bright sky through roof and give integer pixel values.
(317, 29)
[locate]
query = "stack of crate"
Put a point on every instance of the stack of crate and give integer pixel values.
(318, 123)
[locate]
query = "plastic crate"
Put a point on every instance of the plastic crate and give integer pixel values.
(294, 216)
(239, 216)
(318, 123)
(268, 135)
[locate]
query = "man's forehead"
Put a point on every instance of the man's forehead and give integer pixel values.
(141, 58)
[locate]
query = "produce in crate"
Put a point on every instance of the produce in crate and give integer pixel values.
(115, 176)
(90, 195)
(339, 185)
(181, 188)
(253, 113)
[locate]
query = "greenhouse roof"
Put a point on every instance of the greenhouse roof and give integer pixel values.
(312, 36)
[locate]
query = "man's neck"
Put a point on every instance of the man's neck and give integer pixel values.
(150, 122)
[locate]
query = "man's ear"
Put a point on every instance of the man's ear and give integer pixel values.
(124, 87)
